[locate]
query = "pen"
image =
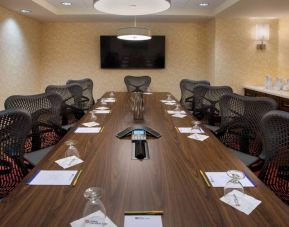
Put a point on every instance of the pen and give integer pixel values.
(76, 178)
(149, 212)
(101, 129)
(205, 179)
(177, 129)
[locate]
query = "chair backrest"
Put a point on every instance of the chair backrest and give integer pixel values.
(207, 100)
(241, 117)
(187, 92)
(45, 111)
(137, 83)
(275, 172)
(71, 93)
(87, 90)
(14, 129)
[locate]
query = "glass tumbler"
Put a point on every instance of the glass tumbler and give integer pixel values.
(234, 185)
(71, 150)
(94, 212)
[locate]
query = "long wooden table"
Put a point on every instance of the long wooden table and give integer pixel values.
(169, 181)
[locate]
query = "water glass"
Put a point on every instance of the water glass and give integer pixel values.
(94, 212)
(71, 150)
(169, 97)
(234, 184)
(177, 109)
(103, 102)
(93, 116)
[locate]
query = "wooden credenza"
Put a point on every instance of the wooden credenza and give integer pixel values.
(281, 97)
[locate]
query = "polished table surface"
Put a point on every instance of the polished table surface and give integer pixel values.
(169, 181)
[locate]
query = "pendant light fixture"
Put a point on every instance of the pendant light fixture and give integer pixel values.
(131, 7)
(134, 33)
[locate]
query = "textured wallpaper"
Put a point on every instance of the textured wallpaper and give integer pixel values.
(19, 55)
(284, 48)
(71, 51)
(237, 61)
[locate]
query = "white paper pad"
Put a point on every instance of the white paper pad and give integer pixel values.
(90, 124)
(241, 202)
(101, 111)
(179, 115)
(53, 177)
(219, 179)
(190, 130)
(87, 130)
(143, 221)
(176, 112)
(69, 161)
(109, 100)
(80, 222)
(102, 108)
(198, 137)
(147, 93)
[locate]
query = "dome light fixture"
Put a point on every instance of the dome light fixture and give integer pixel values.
(134, 33)
(131, 7)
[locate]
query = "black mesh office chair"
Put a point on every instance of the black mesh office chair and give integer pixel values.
(187, 92)
(275, 172)
(241, 124)
(46, 122)
(87, 92)
(137, 84)
(15, 126)
(71, 110)
(207, 100)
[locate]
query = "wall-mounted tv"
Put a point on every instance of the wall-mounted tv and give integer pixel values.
(121, 54)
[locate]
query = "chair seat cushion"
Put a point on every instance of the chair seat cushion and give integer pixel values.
(68, 127)
(36, 156)
(213, 128)
(245, 158)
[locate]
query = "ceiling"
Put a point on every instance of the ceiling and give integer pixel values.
(181, 10)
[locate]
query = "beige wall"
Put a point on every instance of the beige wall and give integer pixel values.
(19, 55)
(284, 48)
(71, 50)
(237, 61)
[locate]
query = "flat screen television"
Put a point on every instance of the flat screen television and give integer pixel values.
(121, 54)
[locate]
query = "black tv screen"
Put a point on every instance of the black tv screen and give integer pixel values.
(121, 54)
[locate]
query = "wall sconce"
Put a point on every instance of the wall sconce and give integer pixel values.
(262, 34)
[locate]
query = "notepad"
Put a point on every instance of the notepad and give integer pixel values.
(176, 112)
(143, 221)
(69, 162)
(109, 100)
(101, 111)
(53, 177)
(190, 130)
(88, 130)
(102, 108)
(80, 222)
(90, 124)
(219, 179)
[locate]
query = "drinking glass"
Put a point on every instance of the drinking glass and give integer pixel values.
(234, 184)
(169, 97)
(103, 102)
(71, 150)
(94, 212)
(111, 94)
(177, 109)
(93, 116)
(196, 125)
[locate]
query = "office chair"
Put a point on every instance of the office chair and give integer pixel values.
(46, 122)
(241, 124)
(71, 110)
(15, 126)
(87, 92)
(206, 99)
(275, 172)
(187, 92)
(137, 84)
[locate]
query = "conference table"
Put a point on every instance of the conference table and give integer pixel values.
(169, 181)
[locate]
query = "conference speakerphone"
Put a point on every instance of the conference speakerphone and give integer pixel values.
(138, 134)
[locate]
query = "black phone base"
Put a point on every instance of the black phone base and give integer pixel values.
(137, 155)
